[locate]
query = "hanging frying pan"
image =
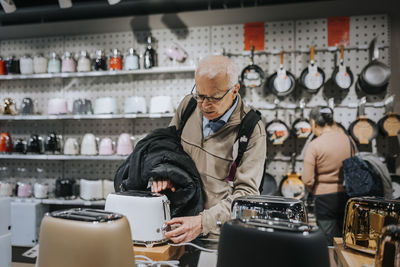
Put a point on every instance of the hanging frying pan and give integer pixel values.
(301, 127)
(313, 77)
(252, 75)
(342, 76)
(389, 125)
(277, 131)
(291, 185)
(374, 77)
(396, 186)
(363, 130)
(269, 185)
(282, 82)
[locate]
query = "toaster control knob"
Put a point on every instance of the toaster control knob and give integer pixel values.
(165, 228)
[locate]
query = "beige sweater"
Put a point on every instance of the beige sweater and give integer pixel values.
(322, 172)
(213, 157)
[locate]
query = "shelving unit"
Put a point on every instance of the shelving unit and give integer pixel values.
(155, 70)
(57, 201)
(84, 117)
(61, 157)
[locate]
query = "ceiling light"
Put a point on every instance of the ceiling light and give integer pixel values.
(65, 3)
(8, 5)
(113, 2)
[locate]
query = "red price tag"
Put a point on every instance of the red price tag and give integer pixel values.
(338, 31)
(254, 35)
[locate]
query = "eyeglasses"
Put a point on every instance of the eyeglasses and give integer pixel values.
(211, 99)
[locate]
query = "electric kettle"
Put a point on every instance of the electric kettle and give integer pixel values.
(146, 212)
(27, 106)
(20, 146)
(108, 188)
(53, 143)
(272, 243)
(24, 189)
(6, 144)
(161, 104)
(40, 191)
(106, 105)
(106, 146)
(89, 145)
(35, 144)
(66, 188)
(82, 106)
(57, 106)
(6, 189)
(71, 146)
(8, 107)
(124, 145)
(91, 189)
(85, 237)
(135, 104)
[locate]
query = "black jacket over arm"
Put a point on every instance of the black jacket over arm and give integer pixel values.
(160, 156)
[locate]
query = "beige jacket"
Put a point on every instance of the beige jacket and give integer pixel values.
(213, 157)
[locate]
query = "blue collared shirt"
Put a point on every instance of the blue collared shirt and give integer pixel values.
(210, 127)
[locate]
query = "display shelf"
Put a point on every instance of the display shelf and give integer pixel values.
(61, 157)
(85, 117)
(59, 201)
(155, 70)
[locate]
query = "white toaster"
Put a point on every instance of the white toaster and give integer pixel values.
(146, 212)
(91, 189)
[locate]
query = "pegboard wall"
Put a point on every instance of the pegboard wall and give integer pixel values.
(293, 37)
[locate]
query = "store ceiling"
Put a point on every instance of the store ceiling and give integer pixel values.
(42, 11)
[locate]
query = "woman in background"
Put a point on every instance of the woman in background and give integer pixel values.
(322, 172)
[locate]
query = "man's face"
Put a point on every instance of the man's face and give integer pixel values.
(215, 87)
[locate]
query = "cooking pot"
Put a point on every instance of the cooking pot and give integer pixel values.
(342, 76)
(106, 146)
(146, 212)
(40, 191)
(66, 188)
(365, 218)
(282, 82)
(269, 207)
(108, 188)
(89, 145)
(135, 104)
(161, 104)
(20, 146)
(85, 237)
(374, 77)
(252, 75)
(106, 105)
(124, 145)
(8, 107)
(35, 144)
(6, 143)
(53, 143)
(91, 189)
(175, 52)
(388, 247)
(277, 131)
(57, 106)
(363, 130)
(313, 77)
(71, 146)
(301, 127)
(272, 243)
(27, 106)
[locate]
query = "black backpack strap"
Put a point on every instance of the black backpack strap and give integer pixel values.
(186, 114)
(247, 126)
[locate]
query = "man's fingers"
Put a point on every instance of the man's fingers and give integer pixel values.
(164, 185)
(179, 239)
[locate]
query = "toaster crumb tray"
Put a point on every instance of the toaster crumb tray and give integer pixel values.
(160, 253)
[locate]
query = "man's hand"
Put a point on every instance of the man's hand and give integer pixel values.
(190, 227)
(158, 186)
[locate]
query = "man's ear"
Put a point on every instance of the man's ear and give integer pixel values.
(236, 89)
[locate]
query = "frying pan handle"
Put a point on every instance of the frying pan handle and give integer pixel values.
(302, 105)
(252, 55)
(312, 53)
(331, 103)
(373, 50)
(281, 57)
(361, 106)
(293, 161)
(389, 104)
(341, 53)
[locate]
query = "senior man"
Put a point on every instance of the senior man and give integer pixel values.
(209, 137)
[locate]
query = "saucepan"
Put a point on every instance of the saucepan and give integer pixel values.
(313, 77)
(282, 82)
(252, 75)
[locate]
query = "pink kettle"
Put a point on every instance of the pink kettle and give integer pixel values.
(106, 146)
(125, 144)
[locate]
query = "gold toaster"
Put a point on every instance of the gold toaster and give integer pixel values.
(85, 238)
(388, 253)
(365, 218)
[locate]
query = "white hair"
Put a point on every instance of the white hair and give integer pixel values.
(212, 66)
